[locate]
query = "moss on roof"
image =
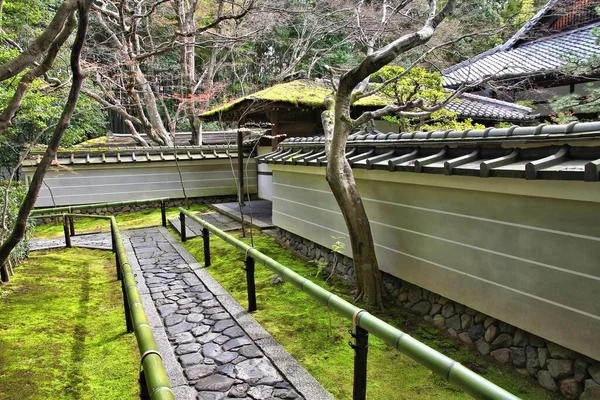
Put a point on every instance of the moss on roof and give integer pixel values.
(298, 93)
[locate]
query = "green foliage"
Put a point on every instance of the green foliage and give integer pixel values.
(23, 20)
(336, 248)
(451, 123)
(40, 110)
(420, 84)
(519, 11)
(16, 195)
(588, 100)
(89, 122)
(63, 332)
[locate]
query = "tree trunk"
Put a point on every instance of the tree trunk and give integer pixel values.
(20, 227)
(158, 131)
(343, 186)
(338, 125)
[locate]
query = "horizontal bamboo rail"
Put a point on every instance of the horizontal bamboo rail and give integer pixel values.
(70, 209)
(442, 365)
(153, 371)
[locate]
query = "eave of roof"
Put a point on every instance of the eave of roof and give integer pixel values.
(139, 155)
(548, 54)
(484, 108)
(558, 153)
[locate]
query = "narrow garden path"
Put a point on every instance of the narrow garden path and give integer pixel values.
(100, 241)
(218, 348)
(211, 347)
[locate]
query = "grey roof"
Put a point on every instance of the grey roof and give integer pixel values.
(544, 55)
(485, 108)
(135, 155)
(561, 152)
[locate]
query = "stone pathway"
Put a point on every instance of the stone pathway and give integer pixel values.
(100, 241)
(193, 229)
(221, 350)
(260, 212)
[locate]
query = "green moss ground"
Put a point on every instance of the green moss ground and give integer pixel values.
(62, 330)
(134, 220)
(318, 338)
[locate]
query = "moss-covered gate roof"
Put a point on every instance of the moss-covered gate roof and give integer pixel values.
(299, 93)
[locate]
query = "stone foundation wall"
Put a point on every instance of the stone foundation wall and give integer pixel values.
(116, 210)
(555, 368)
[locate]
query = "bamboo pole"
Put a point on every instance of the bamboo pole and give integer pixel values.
(442, 365)
(154, 371)
(156, 379)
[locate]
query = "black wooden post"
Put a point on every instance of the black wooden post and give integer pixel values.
(206, 241)
(361, 347)
(240, 149)
(144, 394)
(118, 263)
(71, 225)
(182, 222)
(128, 321)
(163, 213)
(67, 233)
(112, 239)
(251, 284)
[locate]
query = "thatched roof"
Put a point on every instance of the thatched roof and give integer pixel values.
(299, 93)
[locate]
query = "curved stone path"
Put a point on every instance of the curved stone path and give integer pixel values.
(211, 347)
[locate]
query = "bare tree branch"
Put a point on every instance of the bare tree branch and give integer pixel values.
(9, 112)
(33, 52)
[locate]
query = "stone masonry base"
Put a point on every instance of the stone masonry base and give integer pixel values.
(555, 368)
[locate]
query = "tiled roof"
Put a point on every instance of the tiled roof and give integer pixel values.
(541, 56)
(181, 139)
(135, 155)
(484, 108)
(537, 152)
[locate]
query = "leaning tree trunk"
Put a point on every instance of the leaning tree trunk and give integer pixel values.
(343, 186)
(338, 125)
(20, 227)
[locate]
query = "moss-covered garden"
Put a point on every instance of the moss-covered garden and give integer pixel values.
(62, 330)
(63, 336)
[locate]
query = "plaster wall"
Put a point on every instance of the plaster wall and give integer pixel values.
(85, 184)
(523, 252)
(265, 176)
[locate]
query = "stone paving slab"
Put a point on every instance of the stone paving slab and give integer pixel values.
(193, 229)
(101, 241)
(221, 351)
(258, 213)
